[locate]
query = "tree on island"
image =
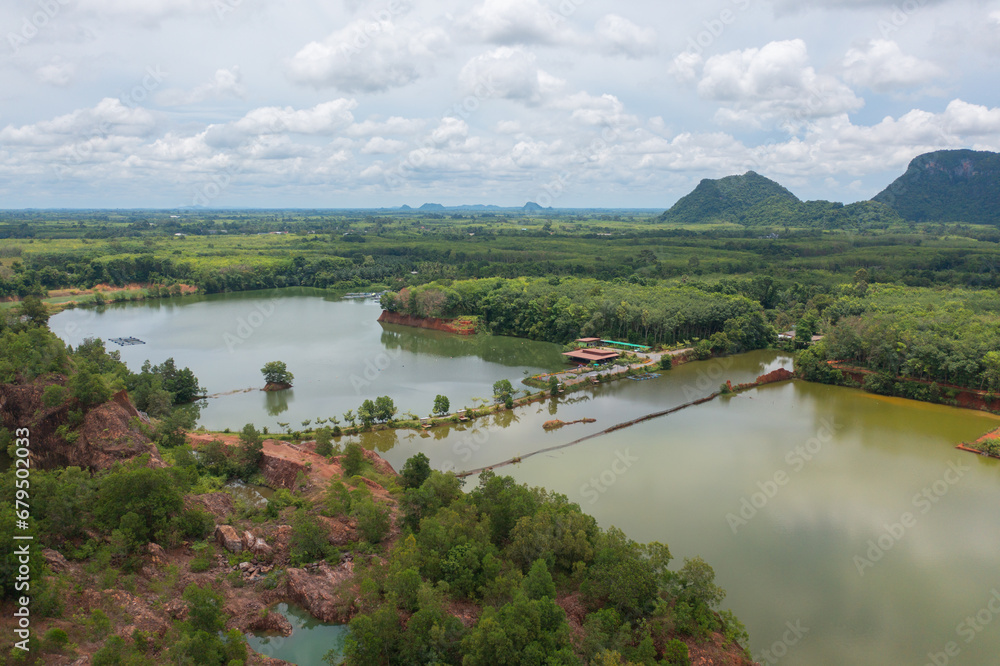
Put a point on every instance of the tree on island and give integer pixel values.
(503, 391)
(276, 372)
(441, 405)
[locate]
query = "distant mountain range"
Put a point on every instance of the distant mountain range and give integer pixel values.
(439, 208)
(944, 186)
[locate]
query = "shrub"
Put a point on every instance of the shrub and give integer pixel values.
(675, 653)
(354, 459)
(100, 624)
(195, 523)
(415, 471)
(324, 446)
(337, 500)
(309, 540)
(989, 446)
(373, 520)
(203, 558)
(54, 639)
(54, 395)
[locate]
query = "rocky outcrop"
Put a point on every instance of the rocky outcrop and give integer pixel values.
(106, 435)
(381, 465)
(317, 589)
(278, 472)
(456, 326)
(227, 537)
(220, 505)
(157, 556)
(269, 622)
(341, 531)
(257, 545)
(779, 375)
(54, 559)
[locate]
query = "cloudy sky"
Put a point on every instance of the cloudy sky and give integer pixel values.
(571, 103)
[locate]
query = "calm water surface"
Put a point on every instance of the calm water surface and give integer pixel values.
(849, 515)
(339, 353)
(309, 642)
(832, 471)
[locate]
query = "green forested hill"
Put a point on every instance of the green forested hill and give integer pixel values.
(948, 186)
(726, 199)
(755, 201)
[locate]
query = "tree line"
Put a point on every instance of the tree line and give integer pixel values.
(559, 310)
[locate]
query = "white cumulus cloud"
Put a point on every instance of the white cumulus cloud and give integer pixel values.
(324, 118)
(509, 73)
(773, 83)
(879, 64)
(109, 117)
(378, 145)
(517, 22)
(368, 56)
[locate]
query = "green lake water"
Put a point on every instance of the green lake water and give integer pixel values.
(309, 642)
(848, 516)
(808, 500)
(339, 353)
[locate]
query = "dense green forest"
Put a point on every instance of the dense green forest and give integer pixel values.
(939, 337)
(238, 251)
(561, 310)
(514, 549)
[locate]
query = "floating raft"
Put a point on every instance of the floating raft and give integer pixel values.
(642, 378)
(127, 342)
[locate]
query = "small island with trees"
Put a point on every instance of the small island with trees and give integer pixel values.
(277, 376)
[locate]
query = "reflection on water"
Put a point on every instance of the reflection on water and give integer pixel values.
(309, 642)
(511, 352)
(794, 558)
(276, 402)
(339, 353)
(249, 494)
